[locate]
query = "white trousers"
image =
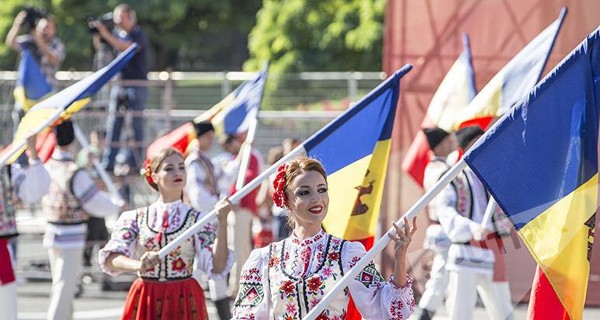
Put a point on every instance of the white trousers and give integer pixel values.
(435, 287)
(65, 265)
(8, 300)
(239, 224)
(462, 296)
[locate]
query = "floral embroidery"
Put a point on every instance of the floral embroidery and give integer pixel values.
(396, 309)
(315, 284)
(334, 256)
(273, 261)
(287, 289)
(178, 265)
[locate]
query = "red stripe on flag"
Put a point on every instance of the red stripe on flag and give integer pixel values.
(44, 144)
(543, 302)
(353, 313)
(179, 139)
(6, 270)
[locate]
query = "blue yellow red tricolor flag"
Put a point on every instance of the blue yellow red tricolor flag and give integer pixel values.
(63, 104)
(455, 92)
(540, 162)
(231, 115)
(31, 84)
(513, 81)
(354, 149)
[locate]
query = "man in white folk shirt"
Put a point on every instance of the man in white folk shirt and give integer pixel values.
(475, 264)
(72, 197)
(441, 144)
(203, 193)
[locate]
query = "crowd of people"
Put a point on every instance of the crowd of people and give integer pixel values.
(281, 271)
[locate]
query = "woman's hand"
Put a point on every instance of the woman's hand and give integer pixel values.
(403, 237)
(148, 261)
(223, 208)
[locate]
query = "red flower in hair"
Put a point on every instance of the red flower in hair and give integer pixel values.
(279, 197)
(146, 172)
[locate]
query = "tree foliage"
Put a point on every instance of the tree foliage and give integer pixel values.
(318, 35)
(184, 34)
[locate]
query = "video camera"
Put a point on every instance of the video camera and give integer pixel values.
(106, 19)
(33, 14)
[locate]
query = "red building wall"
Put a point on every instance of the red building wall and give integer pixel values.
(427, 34)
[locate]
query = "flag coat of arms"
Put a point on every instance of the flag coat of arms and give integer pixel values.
(540, 162)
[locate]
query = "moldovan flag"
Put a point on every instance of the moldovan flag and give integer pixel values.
(454, 93)
(540, 162)
(31, 85)
(512, 82)
(230, 116)
(63, 104)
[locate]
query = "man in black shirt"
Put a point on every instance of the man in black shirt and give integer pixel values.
(129, 94)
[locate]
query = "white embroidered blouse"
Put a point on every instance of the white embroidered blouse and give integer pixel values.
(288, 278)
(151, 228)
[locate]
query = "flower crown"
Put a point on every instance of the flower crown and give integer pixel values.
(279, 196)
(146, 172)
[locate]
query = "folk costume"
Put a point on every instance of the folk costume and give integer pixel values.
(288, 278)
(474, 266)
(72, 198)
(16, 184)
(167, 291)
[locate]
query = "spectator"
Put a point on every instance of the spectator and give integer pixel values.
(128, 95)
(38, 36)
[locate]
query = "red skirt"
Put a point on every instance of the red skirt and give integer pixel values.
(153, 300)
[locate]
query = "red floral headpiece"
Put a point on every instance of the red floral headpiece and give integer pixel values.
(279, 197)
(146, 172)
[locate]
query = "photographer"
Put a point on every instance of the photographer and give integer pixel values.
(129, 95)
(34, 30)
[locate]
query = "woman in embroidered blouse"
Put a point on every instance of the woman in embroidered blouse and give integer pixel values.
(288, 278)
(165, 288)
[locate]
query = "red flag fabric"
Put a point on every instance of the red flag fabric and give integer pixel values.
(543, 302)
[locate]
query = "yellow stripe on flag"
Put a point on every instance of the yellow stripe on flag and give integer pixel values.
(486, 104)
(355, 194)
(558, 240)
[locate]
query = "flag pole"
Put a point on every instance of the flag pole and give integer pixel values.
(101, 172)
(489, 211)
(382, 243)
(246, 154)
(236, 197)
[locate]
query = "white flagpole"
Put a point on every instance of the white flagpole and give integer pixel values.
(382, 243)
(246, 154)
(489, 212)
(101, 172)
(233, 198)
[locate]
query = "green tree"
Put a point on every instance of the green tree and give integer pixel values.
(318, 35)
(184, 34)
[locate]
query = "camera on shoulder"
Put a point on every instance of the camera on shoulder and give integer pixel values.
(33, 14)
(106, 19)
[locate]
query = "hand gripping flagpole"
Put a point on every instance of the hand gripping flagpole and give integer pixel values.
(383, 242)
(101, 172)
(236, 197)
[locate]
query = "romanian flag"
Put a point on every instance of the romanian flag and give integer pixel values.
(231, 115)
(63, 104)
(512, 82)
(454, 93)
(540, 162)
(31, 85)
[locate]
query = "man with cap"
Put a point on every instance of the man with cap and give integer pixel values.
(203, 193)
(72, 197)
(472, 263)
(441, 144)
(16, 184)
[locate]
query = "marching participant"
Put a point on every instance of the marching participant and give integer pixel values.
(16, 184)
(165, 288)
(287, 278)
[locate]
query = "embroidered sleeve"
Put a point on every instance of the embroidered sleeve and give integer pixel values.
(123, 240)
(252, 301)
(204, 253)
(374, 297)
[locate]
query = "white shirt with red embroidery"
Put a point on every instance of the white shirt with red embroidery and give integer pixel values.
(286, 279)
(137, 231)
